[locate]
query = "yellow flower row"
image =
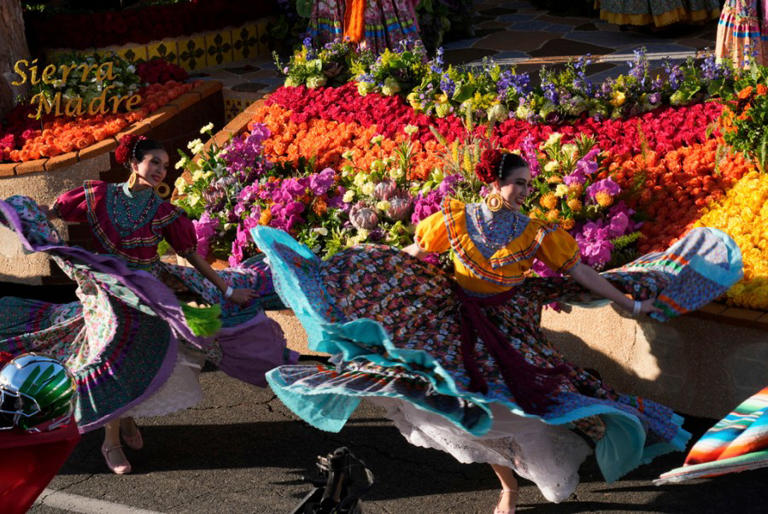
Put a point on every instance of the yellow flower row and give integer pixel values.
(743, 214)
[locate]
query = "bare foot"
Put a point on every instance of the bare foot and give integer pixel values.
(507, 502)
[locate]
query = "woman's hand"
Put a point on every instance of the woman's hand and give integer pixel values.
(49, 212)
(647, 306)
(242, 296)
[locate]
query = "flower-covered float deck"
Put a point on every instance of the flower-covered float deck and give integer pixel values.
(359, 148)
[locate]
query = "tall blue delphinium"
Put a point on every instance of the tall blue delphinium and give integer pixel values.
(638, 67)
(674, 74)
(447, 85)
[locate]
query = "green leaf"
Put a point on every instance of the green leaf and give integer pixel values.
(463, 93)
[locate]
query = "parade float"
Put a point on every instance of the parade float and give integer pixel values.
(358, 148)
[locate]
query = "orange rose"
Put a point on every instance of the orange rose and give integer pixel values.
(745, 93)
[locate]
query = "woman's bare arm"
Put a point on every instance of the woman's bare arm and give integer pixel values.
(592, 280)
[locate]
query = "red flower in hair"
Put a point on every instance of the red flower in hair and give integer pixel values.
(124, 150)
(487, 170)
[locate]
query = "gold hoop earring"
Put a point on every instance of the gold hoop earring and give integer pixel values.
(494, 201)
(132, 180)
(162, 190)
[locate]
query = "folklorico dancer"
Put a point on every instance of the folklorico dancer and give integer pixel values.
(459, 361)
(133, 347)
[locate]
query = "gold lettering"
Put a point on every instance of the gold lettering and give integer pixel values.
(33, 73)
(101, 76)
(65, 70)
(102, 99)
(45, 105)
(77, 110)
(48, 72)
(18, 69)
(87, 68)
(132, 102)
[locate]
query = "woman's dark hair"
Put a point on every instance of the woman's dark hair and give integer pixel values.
(509, 163)
(143, 146)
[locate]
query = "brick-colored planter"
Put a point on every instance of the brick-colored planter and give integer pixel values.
(44, 179)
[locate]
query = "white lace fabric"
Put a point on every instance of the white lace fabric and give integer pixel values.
(548, 455)
(181, 390)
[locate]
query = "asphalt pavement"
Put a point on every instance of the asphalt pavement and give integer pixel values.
(241, 450)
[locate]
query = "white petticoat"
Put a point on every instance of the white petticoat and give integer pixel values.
(181, 390)
(548, 455)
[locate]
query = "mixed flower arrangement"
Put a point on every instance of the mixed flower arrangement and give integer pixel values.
(627, 166)
(494, 95)
(232, 189)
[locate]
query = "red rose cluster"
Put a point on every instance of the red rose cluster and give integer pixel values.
(487, 169)
(158, 70)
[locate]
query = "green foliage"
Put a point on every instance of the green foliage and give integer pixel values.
(203, 321)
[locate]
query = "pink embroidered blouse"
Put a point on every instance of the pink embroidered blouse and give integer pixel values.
(129, 224)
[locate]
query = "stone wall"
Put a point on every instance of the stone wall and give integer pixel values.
(697, 364)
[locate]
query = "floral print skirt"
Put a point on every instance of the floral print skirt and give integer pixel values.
(387, 22)
(121, 338)
(392, 322)
(742, 32)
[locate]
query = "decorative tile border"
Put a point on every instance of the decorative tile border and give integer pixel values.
(196, 51)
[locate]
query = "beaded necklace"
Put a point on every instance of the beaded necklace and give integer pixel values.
(130, 210)
(491, 231)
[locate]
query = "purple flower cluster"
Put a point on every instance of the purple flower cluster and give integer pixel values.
(447, 85)
(585, 168)
(638, 68)
(531, 154)
(607, 185)
(205, 229)
(550, 92)
(581, 82)
(243, 155)
(675, 75)
(426, 204)
(594, 237)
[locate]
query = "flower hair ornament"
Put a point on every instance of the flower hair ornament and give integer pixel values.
(488, 170)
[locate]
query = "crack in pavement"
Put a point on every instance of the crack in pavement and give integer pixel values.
(77, 482)
(216, 407)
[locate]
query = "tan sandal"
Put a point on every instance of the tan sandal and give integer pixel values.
(116, 459)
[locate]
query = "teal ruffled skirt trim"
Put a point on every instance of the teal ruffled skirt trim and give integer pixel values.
(390, 320)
